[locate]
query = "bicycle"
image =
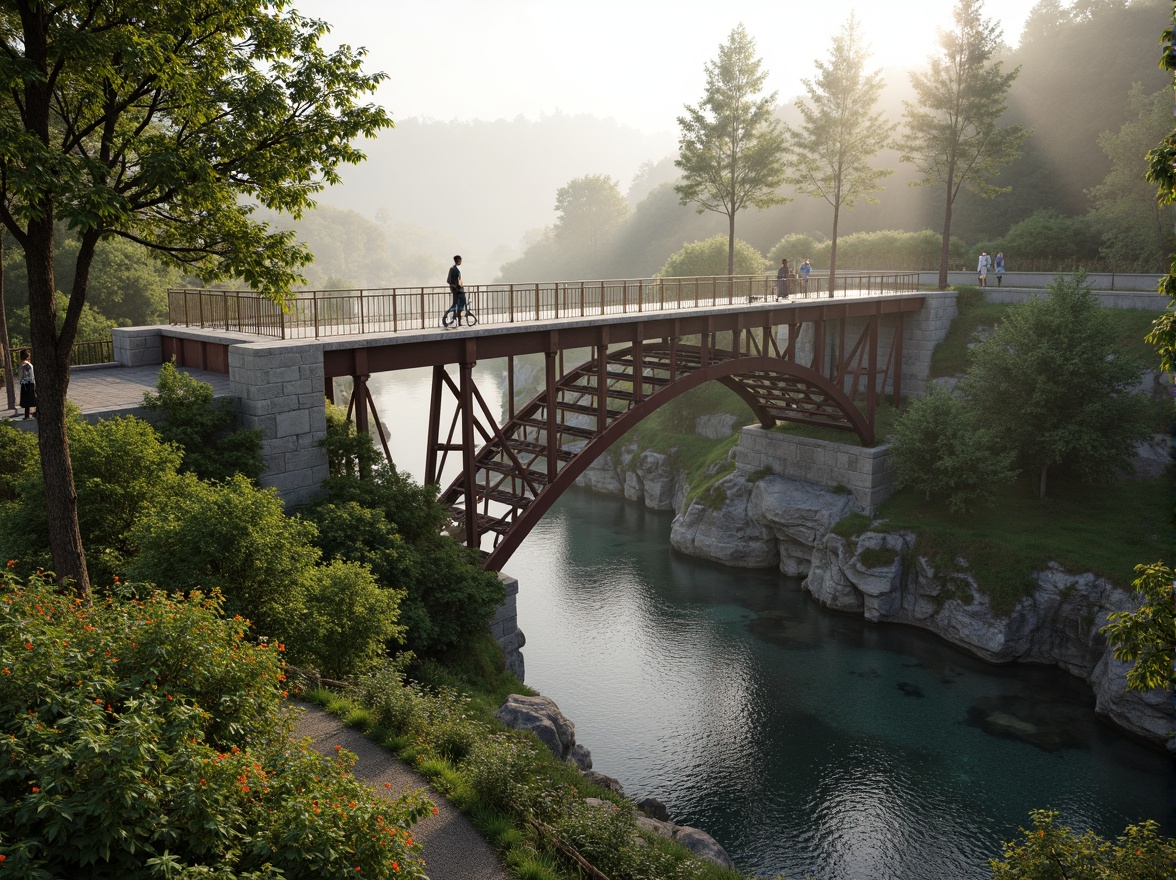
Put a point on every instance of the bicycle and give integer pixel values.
(453, 316)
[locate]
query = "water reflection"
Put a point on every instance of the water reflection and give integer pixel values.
(797, 737)
(807, 743)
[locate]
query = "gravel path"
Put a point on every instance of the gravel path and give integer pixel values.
(453, 850)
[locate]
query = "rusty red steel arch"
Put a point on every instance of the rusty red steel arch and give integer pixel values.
(524, 465)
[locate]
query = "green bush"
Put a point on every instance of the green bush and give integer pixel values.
(1051, 851)
(941, 451)
(234, 537)
(203, 429)
(350, 621)
(121, 468)
(709, 257)
(147, 738)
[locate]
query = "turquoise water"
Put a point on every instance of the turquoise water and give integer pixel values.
(806, 742)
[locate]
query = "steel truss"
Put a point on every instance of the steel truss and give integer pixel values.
(511, 473)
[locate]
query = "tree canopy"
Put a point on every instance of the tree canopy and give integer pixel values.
(1053, 383)
(731, 147)
(164, 124)
(833, 149)
(953, 135)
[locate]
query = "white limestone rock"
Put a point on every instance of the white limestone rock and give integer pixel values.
(725, 532)
(717, 426)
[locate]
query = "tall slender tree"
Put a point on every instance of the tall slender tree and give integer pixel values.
(731, 149)
(163, 123)
(953, 134)
(831, 152)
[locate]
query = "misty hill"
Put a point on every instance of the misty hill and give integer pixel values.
(487, 189)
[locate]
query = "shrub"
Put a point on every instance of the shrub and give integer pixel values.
(121, 467)
(349, 622)
(234, 537)
(203, 429)
(709, 257)
(147, 738)
(940, 451)
(1053, 851)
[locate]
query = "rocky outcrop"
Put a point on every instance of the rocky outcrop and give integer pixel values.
(541, 716)
(647, 477)
(776, 521)
(1059, 624)
(697, 841)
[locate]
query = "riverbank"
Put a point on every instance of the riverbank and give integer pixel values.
(751, 518)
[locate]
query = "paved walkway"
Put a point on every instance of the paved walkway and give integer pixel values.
(108, 390)
(453, 850)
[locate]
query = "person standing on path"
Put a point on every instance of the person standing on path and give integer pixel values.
(982, 268)
(457, 288)
(782, 280)
(998, 266)
(28, 383)
(806, 269)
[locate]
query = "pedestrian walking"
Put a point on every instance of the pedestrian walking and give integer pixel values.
(982, 268)
(28, 383)
(457, 288)
(806, 269)
(998, 266)
(782, 280)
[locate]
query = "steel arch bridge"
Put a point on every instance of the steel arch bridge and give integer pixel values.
(500, 472)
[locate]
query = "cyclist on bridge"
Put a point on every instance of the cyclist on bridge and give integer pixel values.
(457, 289)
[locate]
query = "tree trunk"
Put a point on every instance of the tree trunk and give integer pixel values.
(731, 244)
(5, 343)
(833, 250)
(944, 248)
(51, 362)
(51, 351)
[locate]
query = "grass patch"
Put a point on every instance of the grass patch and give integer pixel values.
(1104, 529)
(877, 557)
(951, 355)
(852, 526)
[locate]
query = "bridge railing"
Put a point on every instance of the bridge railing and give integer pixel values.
(316, 314)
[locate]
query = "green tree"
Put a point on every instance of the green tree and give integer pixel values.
(713, 257)
(942, 451)
(953, 136)
(590, 210)
(164, 125)
(191, 420)
(1049, 240)
(1051, 851)
(1054, 384)
(1147, 635)
(1161, 171)
(832, 151)
(731, 149)
(1137, 231)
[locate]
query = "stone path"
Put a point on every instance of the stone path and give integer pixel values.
(453, 850)
(108, 390)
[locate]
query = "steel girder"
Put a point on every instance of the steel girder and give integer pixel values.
(511, 474)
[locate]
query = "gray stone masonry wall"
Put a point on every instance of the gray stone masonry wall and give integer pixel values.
(505, 627)
(1108, 299)
(279, 389)
(137, 346)
(864, 472)
(923, 331)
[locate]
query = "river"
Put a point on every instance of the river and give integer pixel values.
(807, 743)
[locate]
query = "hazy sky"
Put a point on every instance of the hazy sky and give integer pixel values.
(637, 61)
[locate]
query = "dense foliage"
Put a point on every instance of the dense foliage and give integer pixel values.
(1054, 384)
(388, 522)
(213, 448)
(941, 450)
(710, 257)
(1052, 851)
(147, 738)
(1146, 636)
